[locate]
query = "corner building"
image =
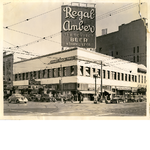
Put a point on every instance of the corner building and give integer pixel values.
(72, 70)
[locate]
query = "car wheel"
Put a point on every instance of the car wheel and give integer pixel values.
(17, 101)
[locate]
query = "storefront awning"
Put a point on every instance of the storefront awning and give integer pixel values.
(87, 92)
(125, 88)
(110, 92)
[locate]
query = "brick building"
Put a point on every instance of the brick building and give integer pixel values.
(128, 43)
(7, 73)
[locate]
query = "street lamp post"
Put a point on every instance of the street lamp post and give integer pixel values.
(95, 97)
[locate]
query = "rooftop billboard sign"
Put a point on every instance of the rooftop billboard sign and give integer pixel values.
(78, 26)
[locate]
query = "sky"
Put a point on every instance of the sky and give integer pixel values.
(45, 20)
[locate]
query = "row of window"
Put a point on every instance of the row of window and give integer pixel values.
(84, 71)
(46, 73)
(112, 75)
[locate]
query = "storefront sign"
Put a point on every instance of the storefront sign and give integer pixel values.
(78, 26)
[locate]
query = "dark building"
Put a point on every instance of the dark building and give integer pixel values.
(7, 73)
(128, 43)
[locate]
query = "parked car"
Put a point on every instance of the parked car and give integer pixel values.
(108, 101)
(35, 97)
(117, 99)
(131, 98)
(45, 98)
(17, 98)
(28, 97)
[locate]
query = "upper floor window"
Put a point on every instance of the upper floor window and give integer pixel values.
(129, 77)
(137, 49)
(34, 74)
(118, 76)
(135, 78)
(104, 75)
(43, 73)
(54, 72)
(19, 76)
(59, 72)
(72, 70)
(133, 58)
(39, 74)
(15, 77)
(23, 76)
(64, 71)
(48, 72)
(137, 58)
(122, 76)
(87, 69)
(99, 72)
(27, 77)
(139, 78)
(144, 79)
(112, 53)
(125, 77)
(115, 75)
(108, 74)
(133, 49)
(31, 75)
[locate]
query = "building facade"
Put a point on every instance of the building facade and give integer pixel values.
(128, 43)
(7, 73)
(72, 70)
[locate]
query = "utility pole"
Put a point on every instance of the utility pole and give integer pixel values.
(61, 85)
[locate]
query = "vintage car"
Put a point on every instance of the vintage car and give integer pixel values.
(17, 98)
(117, 99)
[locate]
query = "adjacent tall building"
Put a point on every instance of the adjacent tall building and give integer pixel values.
(128, 43)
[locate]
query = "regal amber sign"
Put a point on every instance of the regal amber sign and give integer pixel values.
(78, 26)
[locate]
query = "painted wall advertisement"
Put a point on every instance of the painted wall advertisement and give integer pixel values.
(78, 26)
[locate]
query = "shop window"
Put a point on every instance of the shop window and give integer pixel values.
(118, 76)
(87, 71)
(72, 70)
(15, 77)
(23, 76)
(135, 78)
(104, 74)
(122, 76)
(125, 77)
(137, 58)
(59, 72)
(108, 74)
(139, 78)
(129, 77)
(137, 49)
(142, 79)
(64, 71)
(27, 77)
(133, 49)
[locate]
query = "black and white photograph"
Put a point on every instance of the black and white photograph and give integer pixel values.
(84, 59)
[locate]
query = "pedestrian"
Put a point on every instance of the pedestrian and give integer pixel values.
(72, 98)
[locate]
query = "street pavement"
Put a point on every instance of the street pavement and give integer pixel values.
(74, 109)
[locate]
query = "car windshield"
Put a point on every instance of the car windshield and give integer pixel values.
(17, 95)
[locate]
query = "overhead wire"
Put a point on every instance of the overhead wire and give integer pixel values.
(31, 18)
